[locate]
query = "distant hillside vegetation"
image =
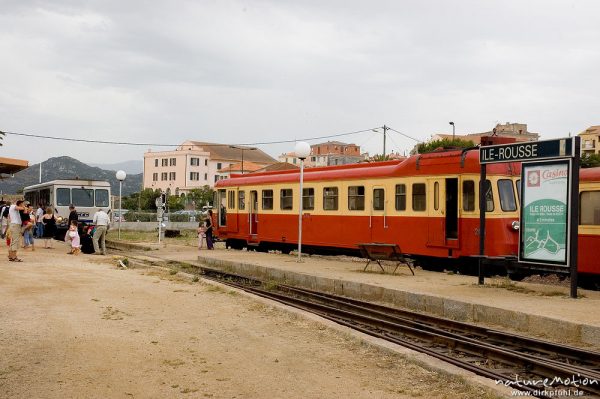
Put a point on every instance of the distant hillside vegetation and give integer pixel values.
(68, 168)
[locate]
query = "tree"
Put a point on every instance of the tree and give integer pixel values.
(200, 196)
(590, 160)
(444, 143)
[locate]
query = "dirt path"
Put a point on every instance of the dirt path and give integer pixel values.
(78, 327)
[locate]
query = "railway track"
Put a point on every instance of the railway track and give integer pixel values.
(513, 360)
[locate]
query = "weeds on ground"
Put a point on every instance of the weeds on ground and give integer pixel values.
(507, 284)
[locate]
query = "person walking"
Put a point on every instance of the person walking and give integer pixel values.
(39, 214)
(101, 221)
(75, 241)
(209, 228)
(49, 222)
(28, 219)
(4, 217)
(72, 216)
(15, 230)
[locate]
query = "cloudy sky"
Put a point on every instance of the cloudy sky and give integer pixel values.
(259, 71)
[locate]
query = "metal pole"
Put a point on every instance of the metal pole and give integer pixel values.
(574, 211)
(300, 212)
(385, 128)
(40, 171)
(242, 160)
(482, 205)
(453, 129)
(120, 208)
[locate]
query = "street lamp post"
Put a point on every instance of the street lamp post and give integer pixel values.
(452, 123)
(302, 150)
(120, 176)
(243, 148)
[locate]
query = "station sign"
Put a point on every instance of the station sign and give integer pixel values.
(545, 211)
(531, 150)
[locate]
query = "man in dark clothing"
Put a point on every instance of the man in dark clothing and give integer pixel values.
(72, 216)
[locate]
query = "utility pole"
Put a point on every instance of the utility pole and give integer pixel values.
(385, 129)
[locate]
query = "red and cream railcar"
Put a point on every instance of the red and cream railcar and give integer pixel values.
(589, 224)
(427, 204)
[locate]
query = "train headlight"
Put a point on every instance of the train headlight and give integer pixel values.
(515, 225)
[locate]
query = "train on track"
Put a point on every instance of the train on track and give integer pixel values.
(427, 204)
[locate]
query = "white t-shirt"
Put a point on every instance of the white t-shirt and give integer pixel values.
(39, 214)
(101, 218)
(13, 214)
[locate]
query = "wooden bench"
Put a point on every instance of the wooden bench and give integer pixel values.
(377, 252)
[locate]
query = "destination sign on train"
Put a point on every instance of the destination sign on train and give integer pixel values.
(530, 150)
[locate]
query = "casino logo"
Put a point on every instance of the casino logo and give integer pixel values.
(533, 178)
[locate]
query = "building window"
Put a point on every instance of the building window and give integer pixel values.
(171, 175)
(400, 197)
(330, 198)
(164, 176)
(156, 162)
(287, 198)
(216, 178)
(468, 195)
(507, 195)
(219, 165)
(172, 161)
(165, 162)
(267, 199)
(194, 161)
(436, 195)
(356, 198)
(206, 162)
(419, 198)
(308, 198)
(241, 200)
(154, 176)
(194, 176)
(206, 176)
(378, 199)
(590, 208)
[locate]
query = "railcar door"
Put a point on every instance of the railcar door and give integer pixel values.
(451, 211)
(377, 215)
(436, 222)
(253, 214)
(232, 218)
(222, 210)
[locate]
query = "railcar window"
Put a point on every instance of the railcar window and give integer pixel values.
(436, 195)
(308, 198)
(378, 199)
(419, 197)
(400, 197)
(45, 196)
(101, 197)
(63, 196)
(82, 197)
(507, 195)
(468, 195)
(489, 196)
(287, 199)
(267, 199)
(589, 213)
(231, 199)
(330, 198)
(356, 198)
(519, 190)
(241, 200)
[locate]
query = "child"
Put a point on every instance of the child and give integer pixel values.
(74, 235)
(201, 235)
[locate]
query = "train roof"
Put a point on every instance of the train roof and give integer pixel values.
(590, 174)
(434, 163)
(70, 182)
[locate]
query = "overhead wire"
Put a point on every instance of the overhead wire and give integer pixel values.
(178, 144)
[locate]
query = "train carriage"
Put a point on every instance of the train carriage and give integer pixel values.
(427, 204)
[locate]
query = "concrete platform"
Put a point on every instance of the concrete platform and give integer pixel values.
(535, 309)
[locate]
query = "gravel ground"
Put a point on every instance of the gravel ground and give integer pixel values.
(76, 326)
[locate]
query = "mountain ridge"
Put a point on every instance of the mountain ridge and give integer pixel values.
(65, 167)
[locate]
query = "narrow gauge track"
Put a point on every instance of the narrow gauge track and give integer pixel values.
(491, 353)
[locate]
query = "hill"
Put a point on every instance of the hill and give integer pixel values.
(130, 167)
(68, 168)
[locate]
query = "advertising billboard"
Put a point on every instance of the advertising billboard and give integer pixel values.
(544, 229)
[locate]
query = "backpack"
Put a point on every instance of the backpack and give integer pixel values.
(5, 211)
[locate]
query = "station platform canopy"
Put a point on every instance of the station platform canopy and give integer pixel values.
(9, 166)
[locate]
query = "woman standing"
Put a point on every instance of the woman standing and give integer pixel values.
(209, 229)
(49, 222)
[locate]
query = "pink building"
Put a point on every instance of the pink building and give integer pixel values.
(195, 164)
